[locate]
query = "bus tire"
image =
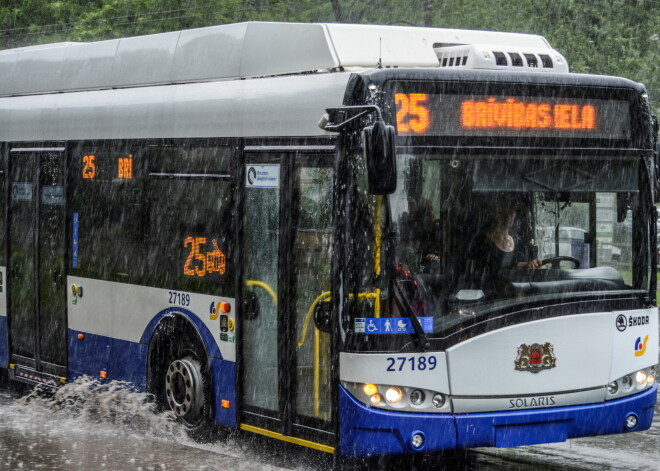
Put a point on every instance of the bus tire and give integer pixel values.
(180, 379)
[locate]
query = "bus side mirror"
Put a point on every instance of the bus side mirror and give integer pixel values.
(380, 153)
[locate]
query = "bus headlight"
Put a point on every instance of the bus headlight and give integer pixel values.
(399, 398)
(376, 399)
(393, 395)
(370, 389)
(631, 383)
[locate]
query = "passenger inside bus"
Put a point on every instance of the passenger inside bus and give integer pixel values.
(496, 250)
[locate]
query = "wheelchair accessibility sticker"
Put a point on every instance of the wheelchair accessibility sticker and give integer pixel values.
(390, 325)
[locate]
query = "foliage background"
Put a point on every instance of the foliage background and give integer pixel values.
(613, 37)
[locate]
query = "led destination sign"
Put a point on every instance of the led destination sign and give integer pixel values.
(419, 114)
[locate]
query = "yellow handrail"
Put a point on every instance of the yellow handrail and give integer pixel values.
(265, 287)
(325, 296)
(378, 241)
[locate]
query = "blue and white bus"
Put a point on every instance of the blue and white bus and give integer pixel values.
(177, 217)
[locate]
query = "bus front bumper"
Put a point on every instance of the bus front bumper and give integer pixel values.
(366, 431)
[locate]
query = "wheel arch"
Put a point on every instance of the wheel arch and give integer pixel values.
(178, 320)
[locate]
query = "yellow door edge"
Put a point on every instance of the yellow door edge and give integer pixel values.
(279, 436)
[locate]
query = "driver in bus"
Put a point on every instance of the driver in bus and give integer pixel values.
(496, 250)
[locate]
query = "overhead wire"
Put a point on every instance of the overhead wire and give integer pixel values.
(68, 27)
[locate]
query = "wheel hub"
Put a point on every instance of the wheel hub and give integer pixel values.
(184, 389)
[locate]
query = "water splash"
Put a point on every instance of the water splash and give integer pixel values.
(113, 403)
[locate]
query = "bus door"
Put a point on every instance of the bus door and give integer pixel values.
(36, 266)
(286, 244)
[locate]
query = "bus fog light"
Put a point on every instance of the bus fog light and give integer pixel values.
(417, 441)
(393, 394)
(613, 387)
(640, 377)
(417, 397)
(650, 379)
(376, 399)
(438, 400)
(631, 421)
(370, 389)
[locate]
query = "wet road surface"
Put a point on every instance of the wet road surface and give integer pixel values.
(104, 427)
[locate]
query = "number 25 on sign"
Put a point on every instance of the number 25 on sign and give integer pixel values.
(200, 264)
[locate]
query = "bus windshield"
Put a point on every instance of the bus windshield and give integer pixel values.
(474, 235)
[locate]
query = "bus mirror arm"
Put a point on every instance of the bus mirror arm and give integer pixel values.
(378, 142)
(327, 121)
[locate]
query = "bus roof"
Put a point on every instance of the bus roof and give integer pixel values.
(257, 49)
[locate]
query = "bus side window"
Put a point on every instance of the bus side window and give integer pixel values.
(189, 226)
(106, 196)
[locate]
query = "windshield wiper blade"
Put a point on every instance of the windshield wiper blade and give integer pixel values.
(421, 341)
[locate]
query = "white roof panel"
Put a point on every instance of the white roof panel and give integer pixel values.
(232, 51)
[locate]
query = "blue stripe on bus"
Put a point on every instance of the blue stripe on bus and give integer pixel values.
(127, 361)
(224, 388)
(4, 360)
(120, 359)
(366, 431)
(506, 429)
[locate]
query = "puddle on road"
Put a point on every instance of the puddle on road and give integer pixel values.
(88, 425)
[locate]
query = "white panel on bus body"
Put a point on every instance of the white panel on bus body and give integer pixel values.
(7, 66)
(220, 109)
(405, 46)
(89, 65)
(208, 109)
(3, 291)
(293, 106)
(426, 370)
(480, 56)
(209, 53)
(144, 60)
(123, 311)
(38, 70)
(278, 48)
(143, 112)
(635, 341)
(575, 353)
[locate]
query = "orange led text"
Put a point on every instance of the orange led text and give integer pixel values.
(125, 167)
(202, 264)
(412, 115)
(89, 166)
(516, 114)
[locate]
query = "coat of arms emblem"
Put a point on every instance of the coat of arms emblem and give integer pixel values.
(535, 357)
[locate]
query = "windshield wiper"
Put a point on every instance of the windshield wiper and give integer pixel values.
(421, 342)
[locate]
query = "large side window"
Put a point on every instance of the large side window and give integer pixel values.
(188, 236)
(157, 215)
(107, 211)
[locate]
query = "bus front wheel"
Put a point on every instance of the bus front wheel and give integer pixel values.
(180, 379)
